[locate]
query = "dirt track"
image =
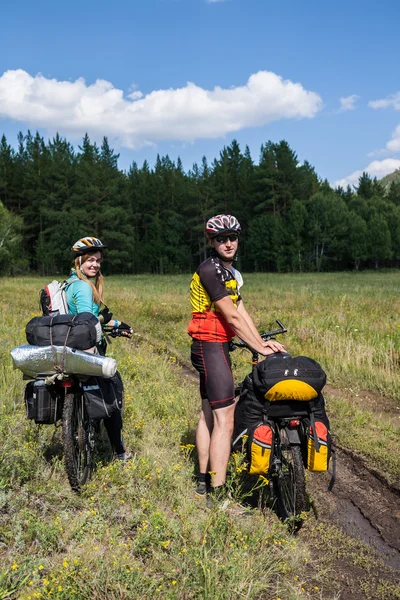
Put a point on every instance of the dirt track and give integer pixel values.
(363, 508)
(366, 508)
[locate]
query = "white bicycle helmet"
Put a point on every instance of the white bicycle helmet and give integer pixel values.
(221, 224)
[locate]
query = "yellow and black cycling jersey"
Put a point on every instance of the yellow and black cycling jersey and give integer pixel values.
(211, 282)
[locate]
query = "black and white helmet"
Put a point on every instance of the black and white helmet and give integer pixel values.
(87, 244)
(222, 224)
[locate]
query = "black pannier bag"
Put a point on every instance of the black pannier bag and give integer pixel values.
(42, 403)
(282, 377)
(254, 412)
(249, 411)
(80, 331)
(252, 408)
(252, 433)
(103, 396)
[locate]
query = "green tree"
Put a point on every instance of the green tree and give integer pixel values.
(394, 193)
(327, 222)
(12, 257)
(357, 239)
(379, 242)
(264, 242)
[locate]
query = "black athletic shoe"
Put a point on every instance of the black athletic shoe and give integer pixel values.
(203, 485)
(201, 489)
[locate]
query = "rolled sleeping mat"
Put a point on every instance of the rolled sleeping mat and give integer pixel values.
(40, 360)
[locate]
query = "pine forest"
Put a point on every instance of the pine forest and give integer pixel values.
(152, 218)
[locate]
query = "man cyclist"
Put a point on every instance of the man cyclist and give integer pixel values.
(218, 314)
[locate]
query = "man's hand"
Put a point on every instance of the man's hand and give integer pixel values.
(271, 347)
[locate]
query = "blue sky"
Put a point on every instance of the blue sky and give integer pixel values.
(185, 77)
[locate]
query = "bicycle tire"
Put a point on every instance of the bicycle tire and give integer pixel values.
(77, 441)
(290, 484)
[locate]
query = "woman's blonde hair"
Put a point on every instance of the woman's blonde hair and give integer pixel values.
(97, 288)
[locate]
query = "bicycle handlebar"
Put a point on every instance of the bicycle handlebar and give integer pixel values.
(118, 332)
(268, 335)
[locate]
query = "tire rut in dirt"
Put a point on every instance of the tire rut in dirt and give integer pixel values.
(363, 506)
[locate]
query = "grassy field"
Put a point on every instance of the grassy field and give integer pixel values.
(136, 531)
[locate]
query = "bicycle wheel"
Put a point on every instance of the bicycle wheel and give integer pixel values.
(78, 441)
(290, 483)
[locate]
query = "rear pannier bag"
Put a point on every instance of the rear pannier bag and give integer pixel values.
(318, 460)
(252, 408)
(260, 445)
(252, 434)
(81, 331)
(43, 405)
(248, 411)
(103, 396)
(281, 377)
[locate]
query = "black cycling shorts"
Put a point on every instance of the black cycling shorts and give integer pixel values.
(213, 362)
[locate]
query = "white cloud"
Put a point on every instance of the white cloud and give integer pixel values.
(392, 100)
(377, 168)
(394, 144)
(348, 102)
(134, 120)
(214, 1)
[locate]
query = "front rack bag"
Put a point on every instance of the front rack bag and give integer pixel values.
(286, 378)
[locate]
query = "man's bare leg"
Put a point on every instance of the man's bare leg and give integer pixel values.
(203, 436)
(220, 446)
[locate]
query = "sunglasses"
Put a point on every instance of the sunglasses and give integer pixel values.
(222, 239)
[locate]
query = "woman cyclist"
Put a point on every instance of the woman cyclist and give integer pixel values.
(84, 293)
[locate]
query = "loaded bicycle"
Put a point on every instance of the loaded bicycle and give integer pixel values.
(281, 424)
(75, 390)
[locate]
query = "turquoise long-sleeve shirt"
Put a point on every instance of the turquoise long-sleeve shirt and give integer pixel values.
(80, 296)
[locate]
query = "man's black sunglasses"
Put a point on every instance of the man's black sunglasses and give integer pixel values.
(221, 239)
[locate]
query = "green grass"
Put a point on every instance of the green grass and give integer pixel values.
(350, 322)
(137, 531)
(370, 434)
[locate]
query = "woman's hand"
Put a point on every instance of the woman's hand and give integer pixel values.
(124, 329)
